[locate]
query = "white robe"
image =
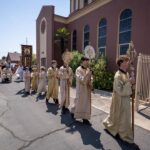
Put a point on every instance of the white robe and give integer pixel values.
(42, 82)
(27, 77)
(82, 103)
(20, 72)
(34, 80)
(119, 118)
(53, 87)
(65, 83)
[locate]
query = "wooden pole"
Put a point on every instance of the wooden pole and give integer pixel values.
(132, 54)
(133, 91)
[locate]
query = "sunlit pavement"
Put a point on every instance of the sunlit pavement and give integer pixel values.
(32, 125)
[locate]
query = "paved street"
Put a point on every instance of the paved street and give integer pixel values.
(27, 124)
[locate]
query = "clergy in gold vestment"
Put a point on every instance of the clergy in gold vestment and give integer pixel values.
(34, 79)
(65, 75)
(119, 119)
(53, 76)
(27, 78)
(82, 105)
(42, 81)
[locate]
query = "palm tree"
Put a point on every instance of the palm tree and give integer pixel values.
(61, 37)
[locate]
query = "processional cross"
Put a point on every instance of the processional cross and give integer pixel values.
(131, 52)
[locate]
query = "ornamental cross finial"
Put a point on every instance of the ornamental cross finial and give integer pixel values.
(131, 52)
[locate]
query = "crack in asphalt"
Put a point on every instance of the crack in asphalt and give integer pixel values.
(12, 133)
(52, 132)
(96, 115)
(28, 143)
(43, 136)
(3, 113)
(8, 108)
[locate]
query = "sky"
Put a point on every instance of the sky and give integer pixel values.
(18, 22)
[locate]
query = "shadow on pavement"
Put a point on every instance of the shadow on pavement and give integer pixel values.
(23, 93)
(20, 92)
(88, 134)
(66, 118)
(5, 82)
(123, 145)
(18, 81)
(145, 112)
(40, 97)
(52, 108)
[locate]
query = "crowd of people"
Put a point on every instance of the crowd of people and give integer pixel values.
(6, 72)
(37, 82)
(47, 82)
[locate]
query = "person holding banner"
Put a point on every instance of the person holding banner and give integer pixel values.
(82, 103)
(119, 118)
(53, 76)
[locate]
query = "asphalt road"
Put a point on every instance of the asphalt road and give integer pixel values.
(27, 124)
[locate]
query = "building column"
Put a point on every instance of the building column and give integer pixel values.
(71, 6)
(78, 4)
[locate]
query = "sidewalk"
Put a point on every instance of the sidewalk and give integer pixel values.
(102, 101)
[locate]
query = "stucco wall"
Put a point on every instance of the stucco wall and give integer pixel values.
(47, 12)
(112, 11)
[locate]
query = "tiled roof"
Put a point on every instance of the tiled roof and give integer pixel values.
(14, 56)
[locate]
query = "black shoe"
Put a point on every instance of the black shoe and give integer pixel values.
(28, 93)
(46, 100)
(56, 101)
(85, 121)
(66, 109)
(63, 111)
(72, 116)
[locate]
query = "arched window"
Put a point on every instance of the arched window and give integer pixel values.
(86, 35)
(102, 35)
(74, 40)
(85, 2)
(125, 31)
(74, 4)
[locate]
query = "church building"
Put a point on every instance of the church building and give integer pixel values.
(107, 25)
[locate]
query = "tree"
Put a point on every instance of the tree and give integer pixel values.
(61, 37)
(3, 58)
(34, 60)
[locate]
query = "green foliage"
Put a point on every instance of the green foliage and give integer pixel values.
(3, 58)
(75, 62)
(61, 37)
(34, 60)
(102, 78)
(62, 32)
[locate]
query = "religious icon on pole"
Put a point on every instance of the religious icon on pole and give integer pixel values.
(26, 55)
(89, 52)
